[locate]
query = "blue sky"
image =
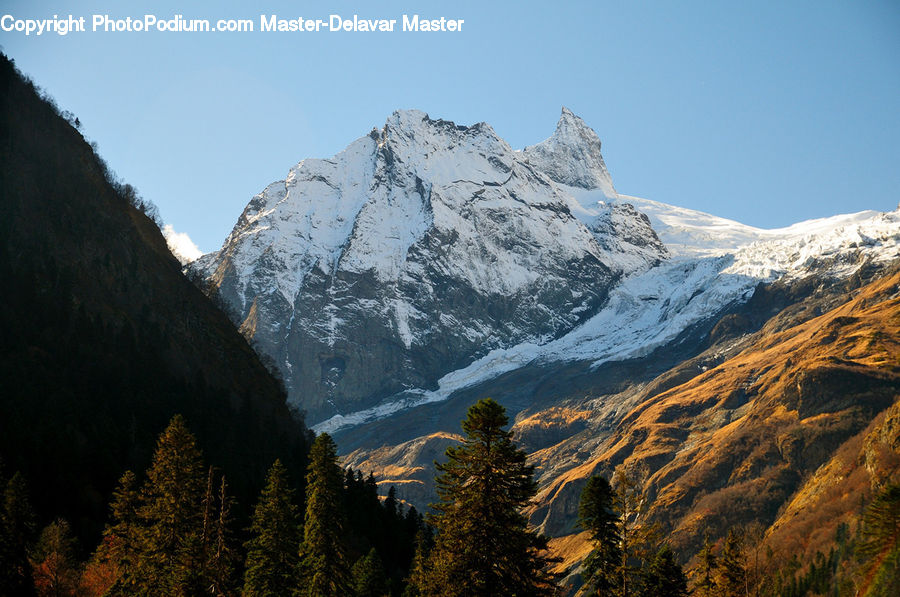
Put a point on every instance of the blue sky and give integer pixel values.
(764, 112)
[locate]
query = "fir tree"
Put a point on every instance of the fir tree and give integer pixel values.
(117, 557)
(596, 515)
(56, 571)
(111, 570)
(369, 579)
(391, 505)
(732, 580)
(881, 523)
(171, 550)
(17, 527)
(418, 572)
(637, 538)
(706, 569)
(483, 544)
(324, 568)
(880, 541)
(275, 534)
(664, 577)
(272, 560)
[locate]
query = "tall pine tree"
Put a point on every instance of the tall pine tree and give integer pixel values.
(705, 572)
(881, 541)
(663, 576)
(111, 570)
(369, 579)
(171, 551)
(324, 567)
(638, 538)
(272, 559)
(419, 569)
(484, 545)
(732, 580)
(597, 515)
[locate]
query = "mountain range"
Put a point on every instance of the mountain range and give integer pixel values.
(430, 264)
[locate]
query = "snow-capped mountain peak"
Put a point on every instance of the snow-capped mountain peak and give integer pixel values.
(419, 248)
(572, 156)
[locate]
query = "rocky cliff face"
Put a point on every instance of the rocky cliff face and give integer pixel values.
(430, 265)
(420, 248)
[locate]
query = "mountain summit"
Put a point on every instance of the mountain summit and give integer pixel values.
(572, 156)
(419, 248)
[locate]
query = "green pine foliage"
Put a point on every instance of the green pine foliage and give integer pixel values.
(418, 572)
(381, 524)
(663, 576)
(880, 542)
(626, 558)
(484, 545)
(117, 556)
(172, 536)
(732, 567)
(596, 514)
(638, 539)
(272, 560)
(865, 562)
(324, 568)
(707, 567)
(193, 510)
(172, 546)
(369, 579)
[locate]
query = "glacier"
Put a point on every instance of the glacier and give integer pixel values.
(428, 257)
(716, 262)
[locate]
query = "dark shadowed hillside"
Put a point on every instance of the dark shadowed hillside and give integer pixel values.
(103, 339)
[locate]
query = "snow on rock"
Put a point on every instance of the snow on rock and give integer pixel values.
(572, 156)
(420, 248)
(652, 307)
(429, 256)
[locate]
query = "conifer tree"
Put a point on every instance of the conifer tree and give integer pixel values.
(171, 550)
(664, 577)
(418, 573)
(732, 580)
(391, 505)
(483, 544)
(369, 579)
(636, 536)
(323, 557)
(111, 570)
(56, 571)
(880, 541)
(596, 514)
(706, 569)
(881, 523)
(17, 527)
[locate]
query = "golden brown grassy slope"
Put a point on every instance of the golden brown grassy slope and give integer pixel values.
(734, 444)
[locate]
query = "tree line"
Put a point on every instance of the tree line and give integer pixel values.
(174, 534)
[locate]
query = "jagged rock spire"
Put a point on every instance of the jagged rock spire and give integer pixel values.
(572, 156)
